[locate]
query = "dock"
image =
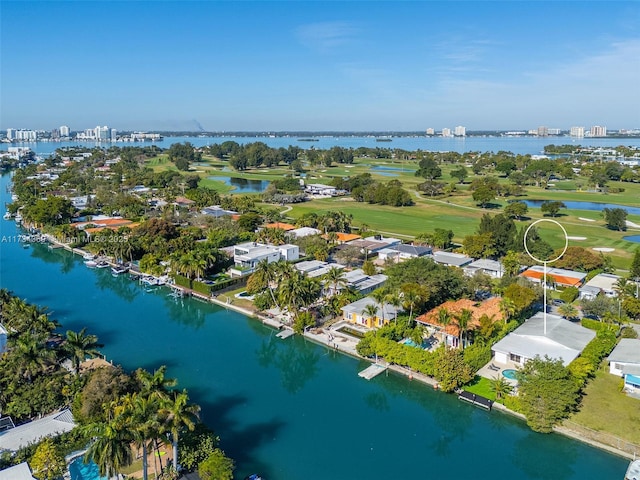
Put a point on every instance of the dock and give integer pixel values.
(476, 400)
(372, 371)
(286, 333)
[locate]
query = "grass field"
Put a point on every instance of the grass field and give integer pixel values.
(605, 409)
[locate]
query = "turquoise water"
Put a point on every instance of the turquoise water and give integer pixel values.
(84, 471)
(593, 206)
(509, 373)
(290, 409)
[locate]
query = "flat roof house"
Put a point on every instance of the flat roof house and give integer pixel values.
(624, 361)
(15, 438)
(246, 256)
(564, 340)
(604, 283)
(217, 211)
(316, 268)
(492, 268)
(402, 251)
(364, 283)
(17, 472)
(451, 259)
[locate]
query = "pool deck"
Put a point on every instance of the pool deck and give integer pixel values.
(491, 374)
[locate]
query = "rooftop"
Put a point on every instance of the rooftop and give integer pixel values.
(559, 275)
(17, 472)
(627, 351)
(490, 307)
(23, 435)
(449, 258)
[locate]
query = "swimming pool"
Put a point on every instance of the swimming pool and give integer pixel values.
(510, 373)
(84, 471)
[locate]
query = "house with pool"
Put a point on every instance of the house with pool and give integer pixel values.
(624, 361)
(247, 256)
(562, 340)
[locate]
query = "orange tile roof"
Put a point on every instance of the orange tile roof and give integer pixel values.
(282, 226)
(489, 307)
(107, 222)
(559, 279)
(110, 227)
(347, 237)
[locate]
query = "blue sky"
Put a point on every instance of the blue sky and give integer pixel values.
(359, 65)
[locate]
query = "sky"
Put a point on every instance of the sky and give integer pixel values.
(319, 66)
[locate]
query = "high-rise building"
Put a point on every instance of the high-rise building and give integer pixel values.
(11, 134)
(460, 131)
(430, 131)
(543, 131)
(598, 131)
(64, 131)
(446, 132)
(114, 134)
(577, 132)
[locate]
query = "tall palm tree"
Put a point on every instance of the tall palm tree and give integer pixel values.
(335, 278)
(371, 312)
(79, 346)
(444, 319)
(142, 415)
(411, 296)
(463, 320)
(267, 274)
(176, 414)
(394, 299)
(30, 356)
(155, 384)
(508, 308)
(110, 448)
(380, 296)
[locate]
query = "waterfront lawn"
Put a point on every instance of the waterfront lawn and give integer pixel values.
(605, 409)
(481, 386)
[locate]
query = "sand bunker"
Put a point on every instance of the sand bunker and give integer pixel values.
(603, 249)
(576, 238)
(586, 219)
(632, 225)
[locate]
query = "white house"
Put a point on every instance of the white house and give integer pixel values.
(604, 283)
(364, 283)
(492, 268)
(246, 256)
(451, 259)
(14, 439)
(320, 189)
(217, 211)
(303, 232)
(401, 252)
(563, 340)
(17, 472)
(316, 268)
(624, 361)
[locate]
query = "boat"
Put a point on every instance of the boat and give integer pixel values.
(89, 256)
(18, 218)
(119, 269)
(253, 476)
(633, 471)
(6, 216)
(91, 263)
(102, 264)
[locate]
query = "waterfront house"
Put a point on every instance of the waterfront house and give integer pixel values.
(246, 256)
(53, 425)
(493, 268)
(303, 232)
(555, 276)
(451, 259)
(316, 268)
(604, 283)
(624, 361)
(563, 340)
(451, 332)
(356, 313)
(17, 472)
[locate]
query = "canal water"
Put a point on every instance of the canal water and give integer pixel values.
(289, 409)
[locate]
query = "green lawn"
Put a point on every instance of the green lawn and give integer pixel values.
(481, 386)
(605, 409)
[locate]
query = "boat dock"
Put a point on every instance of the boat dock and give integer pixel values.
(286, 333)
(372, 370)
(476, 400)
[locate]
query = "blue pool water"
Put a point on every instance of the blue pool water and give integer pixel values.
(510, 374)
(632, 238)
(411, 343)
(84, 471)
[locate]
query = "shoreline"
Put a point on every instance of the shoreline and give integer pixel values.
(344, 347)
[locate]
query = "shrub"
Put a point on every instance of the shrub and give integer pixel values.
(569, 294)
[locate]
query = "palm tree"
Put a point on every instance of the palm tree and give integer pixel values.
(177, 414)
(411, 295)
(79, 346)
(463, 320)
(111, 446)
(266, 274)
(395, 301)
(508, 308)
(155, 385)
(371, 312)
(568, 311)
(500, 387)
(444, 319)
(380, 296)
(142, 415)
(335, 278)
(30, 356)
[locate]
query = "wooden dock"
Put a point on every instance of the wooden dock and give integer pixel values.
(476, 400)
(286, 333)
(372, 371)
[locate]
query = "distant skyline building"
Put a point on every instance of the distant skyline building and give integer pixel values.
(598, 131)
(553, 131)
(11, 134)
(446, 132)
(460, 131)
(64, 131)
(431, 131)
(543, 132)
(577, 132)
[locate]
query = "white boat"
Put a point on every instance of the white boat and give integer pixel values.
(91, 263)
(119, 269)
(102, 264)
(18, 218)
(89, 256)
(633, 471)
(6, 216)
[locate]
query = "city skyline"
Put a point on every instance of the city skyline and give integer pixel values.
(284, 66)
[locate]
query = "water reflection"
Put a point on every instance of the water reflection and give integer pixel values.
(243, 185)
(184, 310)
(531, 453)
(65, 259)
(121, 285)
